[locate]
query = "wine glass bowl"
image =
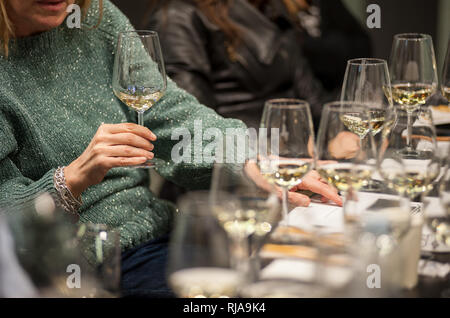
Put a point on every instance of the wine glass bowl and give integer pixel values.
(345, 157)
(413, 70)
(243, 203)
(410, 171)
(289, 151)
(367, 82)
(445, 84)
(413, 73)
(199, 263)
(139, 76)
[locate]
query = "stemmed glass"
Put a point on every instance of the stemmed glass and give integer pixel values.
(367, 82)
(139, 77)
(346, 154)
(199, 263)
(289, 152)
(413, 74)
(246, 206)
(445, 85)
(440, 224)
(410, 173)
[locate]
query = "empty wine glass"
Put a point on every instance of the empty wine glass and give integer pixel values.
(139, 77)
(413, 74)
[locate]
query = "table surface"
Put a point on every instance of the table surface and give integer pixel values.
(330, 217)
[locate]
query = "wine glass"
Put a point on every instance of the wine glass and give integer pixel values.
(199, 263)
(139, 77)
(367, 82)
(413, 74)
(246, 206)
(440, 224)
(410, 173)
(289, 152)
(346, 154)
(100, 246)
(438, 220)
(445, 85)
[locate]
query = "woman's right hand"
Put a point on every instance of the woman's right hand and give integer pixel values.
(114, 145)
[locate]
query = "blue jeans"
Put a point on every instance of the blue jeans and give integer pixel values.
(144, 270)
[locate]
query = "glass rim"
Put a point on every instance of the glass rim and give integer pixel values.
(412, 36)
(287, 103)
(368, 61)
(139, 33)
(346, 104)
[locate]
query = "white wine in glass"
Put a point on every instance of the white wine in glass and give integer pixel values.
(410, 173)
(346, 153)
(290, 145)
(413, 74)
(367, 82)
(139, 77)
(199, 260)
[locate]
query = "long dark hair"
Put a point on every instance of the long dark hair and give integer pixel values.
(217, 11)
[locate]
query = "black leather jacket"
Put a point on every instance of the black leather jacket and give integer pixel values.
(270, 62)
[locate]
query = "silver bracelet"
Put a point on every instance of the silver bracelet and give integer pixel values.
(68, 201)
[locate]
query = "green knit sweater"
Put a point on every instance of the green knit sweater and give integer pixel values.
(55, 92)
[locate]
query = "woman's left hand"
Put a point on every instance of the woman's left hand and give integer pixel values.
(314, 183)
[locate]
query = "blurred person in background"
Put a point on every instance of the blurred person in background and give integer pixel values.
(235, 55)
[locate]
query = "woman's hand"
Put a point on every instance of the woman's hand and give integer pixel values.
(345, 145)
(314, 183)
(114, 145)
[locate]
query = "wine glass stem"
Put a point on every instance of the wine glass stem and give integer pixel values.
(409, 131)
(285, 206)
(140, 118)
(239, 251)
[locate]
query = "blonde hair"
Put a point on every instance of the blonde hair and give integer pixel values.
(7, 28)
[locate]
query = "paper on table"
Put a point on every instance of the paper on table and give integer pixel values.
(327, 216)
(441, 115)
(330, 218)
(306, 272)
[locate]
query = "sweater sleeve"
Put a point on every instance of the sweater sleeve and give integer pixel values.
(16, 190)
(178, 119)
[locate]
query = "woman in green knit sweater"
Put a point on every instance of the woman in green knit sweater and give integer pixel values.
(55, 95)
